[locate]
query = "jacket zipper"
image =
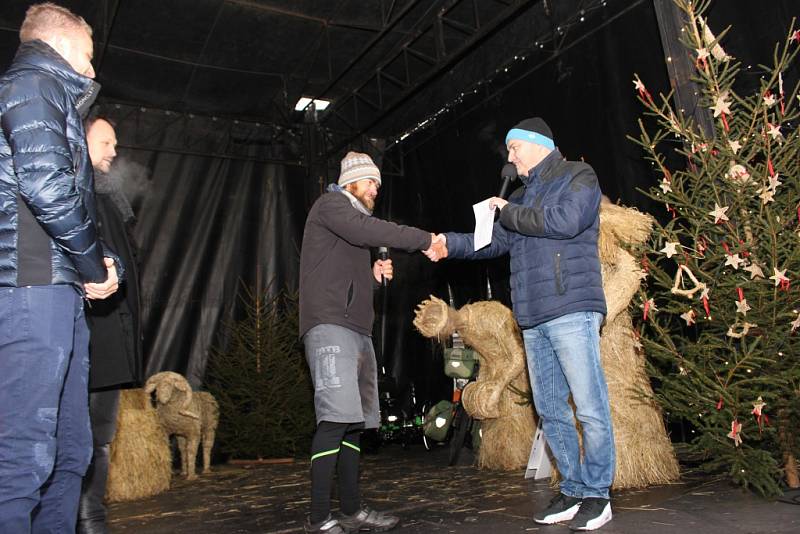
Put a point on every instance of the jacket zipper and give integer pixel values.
(559, 285)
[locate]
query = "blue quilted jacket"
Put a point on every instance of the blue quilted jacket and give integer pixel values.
(550, 228)
(47, 230)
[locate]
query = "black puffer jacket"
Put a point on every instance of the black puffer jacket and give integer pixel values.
(47, 233)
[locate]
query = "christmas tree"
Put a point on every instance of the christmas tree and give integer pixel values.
(720, 307)
(262, 382)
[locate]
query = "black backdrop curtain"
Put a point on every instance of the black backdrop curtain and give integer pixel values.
(586, 95)
(205, 226)
(208, 224)
(588, 100)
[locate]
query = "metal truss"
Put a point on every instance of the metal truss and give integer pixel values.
(175, 132)
(458, 27)
(161, 130)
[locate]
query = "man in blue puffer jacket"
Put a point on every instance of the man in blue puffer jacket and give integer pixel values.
(50, 257)
(549, 227)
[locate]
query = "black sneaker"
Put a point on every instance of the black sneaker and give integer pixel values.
(366, 520)
(593, 514)
(328, 525)
(561, 508)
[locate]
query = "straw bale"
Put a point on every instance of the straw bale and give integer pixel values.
(645, 455)
(140, 464)
(435, 319)
(500, 396)
(621, 226)
(506, 441)
(791, 470)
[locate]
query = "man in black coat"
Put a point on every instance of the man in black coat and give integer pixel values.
(114, 347)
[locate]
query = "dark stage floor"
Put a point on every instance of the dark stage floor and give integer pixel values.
(433, 498)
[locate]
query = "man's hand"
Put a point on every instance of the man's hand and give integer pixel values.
(497, 202)
(438, 248)
(105, 289)
(382, 267)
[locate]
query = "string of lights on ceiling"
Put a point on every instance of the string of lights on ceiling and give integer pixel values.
(546, 47)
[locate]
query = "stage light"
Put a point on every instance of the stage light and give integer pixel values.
(304, 101)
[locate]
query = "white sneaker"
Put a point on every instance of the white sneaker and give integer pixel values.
(593, 514)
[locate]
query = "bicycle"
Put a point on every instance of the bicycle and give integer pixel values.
(461, 364)
(449, 422)
(461, 425)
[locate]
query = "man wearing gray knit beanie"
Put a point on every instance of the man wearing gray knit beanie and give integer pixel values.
(336, 316)
(549, 227)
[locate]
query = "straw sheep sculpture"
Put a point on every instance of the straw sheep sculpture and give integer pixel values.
(500, 397)
(644, 452)
(191, 416)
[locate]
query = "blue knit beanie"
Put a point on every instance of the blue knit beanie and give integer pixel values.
(533, 130)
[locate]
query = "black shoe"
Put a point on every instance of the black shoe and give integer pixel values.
(328, 525)
(561, 508)
(368, 520)
(593, 514)
(91, 510)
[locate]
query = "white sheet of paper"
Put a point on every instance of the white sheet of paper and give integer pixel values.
(484, 222)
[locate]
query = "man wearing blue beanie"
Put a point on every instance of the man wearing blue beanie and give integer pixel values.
(549, 226)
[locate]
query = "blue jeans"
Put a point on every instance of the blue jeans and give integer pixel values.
(45, 439)
(564, 357)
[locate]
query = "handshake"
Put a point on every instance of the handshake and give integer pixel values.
(383, 270)
(438, 248)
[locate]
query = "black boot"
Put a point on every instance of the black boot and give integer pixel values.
(92, 511)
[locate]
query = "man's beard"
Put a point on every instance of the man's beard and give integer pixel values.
(368, 202)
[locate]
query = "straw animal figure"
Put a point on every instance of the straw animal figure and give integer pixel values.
(191, 416)
(140, 465)
(500, 397)
(644, 452)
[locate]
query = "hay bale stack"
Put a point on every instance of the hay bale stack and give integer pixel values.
(506, 440)
(500, 396)
(644, 452)
(140, 464)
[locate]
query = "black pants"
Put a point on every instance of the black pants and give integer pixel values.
(103, 406)
(335, 448)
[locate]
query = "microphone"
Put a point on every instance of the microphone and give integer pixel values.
(383, 254)
(508, 174)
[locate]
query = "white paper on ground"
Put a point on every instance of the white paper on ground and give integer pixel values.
(484, 222)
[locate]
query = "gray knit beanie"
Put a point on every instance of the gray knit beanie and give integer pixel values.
(358, 166)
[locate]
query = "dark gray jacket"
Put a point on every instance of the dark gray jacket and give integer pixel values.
(336, 281)
(550, 228)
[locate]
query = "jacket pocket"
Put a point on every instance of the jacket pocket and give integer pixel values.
(349, 298)
(559, 273)
(77, 159)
